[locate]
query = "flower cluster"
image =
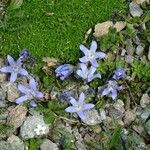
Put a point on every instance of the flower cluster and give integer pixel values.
(15, 69)
(86, 72)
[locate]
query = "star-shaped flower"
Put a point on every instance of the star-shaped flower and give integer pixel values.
(79, 106)
(112, 89)
(87, 74)
(14, 68)
(91, 55)
(119, 73)
(30, 92)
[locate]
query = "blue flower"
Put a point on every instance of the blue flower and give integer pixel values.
(14, 69)
(87, 74)
(119, 73)
(64, 71)
(91, 55)
(79, 106)
(24, 53)
(112, 89)
(30, 92)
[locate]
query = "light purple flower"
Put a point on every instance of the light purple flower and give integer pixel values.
(119, 73)
(90, 54)
(24, 53)
(64, 71)
(112, 89)
(87, 74)
(29, 92)
(79, 106)
(14, 69)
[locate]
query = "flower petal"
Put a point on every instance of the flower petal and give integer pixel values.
(23, 89)
(80, 73)
(94, 63)
(88, 106)
(114, 94)
(10, 60)
(32, 84)
(13, 77)
(93, 46)
(33, 103)
(6, 69)
(84, 49)
(81, 98)
(81, 115)
(23, 72)
(73, 101)
(106, 92)
(70, 109)
(83, 59)
(92, 71)
(90, 78)
(83, 67)
(22, 99)
(100, 55)
(39, 95)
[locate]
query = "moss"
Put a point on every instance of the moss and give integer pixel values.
(58, 35)
(5, 128)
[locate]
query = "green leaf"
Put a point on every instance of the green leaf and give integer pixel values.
(147, 17)
(15, 4)
(115, 137)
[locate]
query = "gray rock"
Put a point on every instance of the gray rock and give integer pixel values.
(87, 138)
(3, 102)
(92, 117)
(119, 105)
(4, 146)
(102, 114)
(17, 116)
(145, 114)
(80, 145)
(15, 142)
(34, 126)
(145, 100)
(147, 127)
(48, 145)
(130, 116)
(139, 50)
(139, 129)
(12, 91)
(135, 10)
(129, 59)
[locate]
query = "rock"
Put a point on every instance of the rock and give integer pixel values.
(139, 50)
(102, 114)
(145, 100)
(110, 56)
(54, 93)
(12, 91)
(136, 40)
(145, 114)
(123, 52)
(129, 117)
(3, 76)
(129, 59)
(135, 10)
(147, 127)
(139, 129)
(80, 146)
(149, 54)
(34, 126)
(4, 146)
(3, 102)
(140, 1)
(119, 25)
(87, 138)
(119, 105)
(92, 117)
(103, 28)
(48, 145)
(130, 47)
(17, 116)
(15, 142)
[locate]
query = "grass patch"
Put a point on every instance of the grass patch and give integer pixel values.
(58, 35)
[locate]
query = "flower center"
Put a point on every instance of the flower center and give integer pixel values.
(78, 107)
(90, 56)
(15, 68)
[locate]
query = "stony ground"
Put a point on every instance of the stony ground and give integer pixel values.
(120, 124)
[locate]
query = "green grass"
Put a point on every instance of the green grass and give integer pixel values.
(56, 36)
